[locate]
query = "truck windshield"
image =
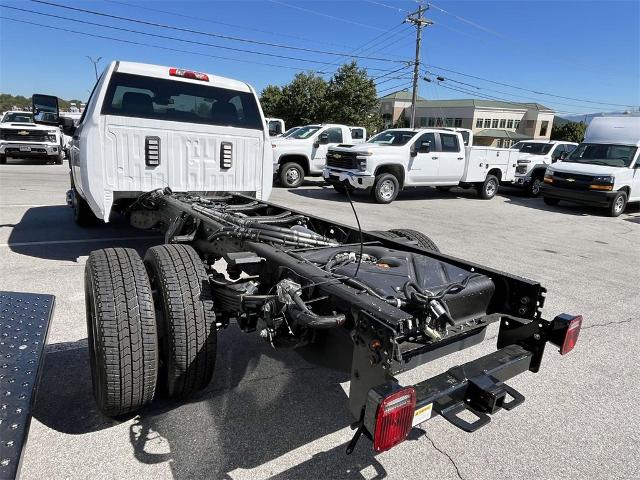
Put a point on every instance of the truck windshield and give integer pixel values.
(393, 137)
(172, 100)
(304, 132)
(603, 154)
(20, 117)
(534, 148)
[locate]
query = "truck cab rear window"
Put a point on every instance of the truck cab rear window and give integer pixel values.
(170, 100)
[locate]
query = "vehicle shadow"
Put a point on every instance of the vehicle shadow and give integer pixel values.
(29, 161)
(410, 194)
(262, 405)
(49, 232)
(564, 208)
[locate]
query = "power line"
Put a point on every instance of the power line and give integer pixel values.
(210, 34)
(167, 37)
(527, 89)
(391, 72)
(397, 9)
(402, 86)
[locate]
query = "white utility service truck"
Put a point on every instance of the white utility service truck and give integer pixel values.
(304, 152)
(188, 153)
(535, 156)
(400, 158)
(603, 171)
(20, 137)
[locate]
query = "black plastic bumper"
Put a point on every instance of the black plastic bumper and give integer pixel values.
(584, 197)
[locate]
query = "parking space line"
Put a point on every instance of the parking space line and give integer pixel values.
(83, 240)
(17, 205)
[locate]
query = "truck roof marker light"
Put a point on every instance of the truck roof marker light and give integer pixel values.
(571, 335)
(179, 72)
(394, 419)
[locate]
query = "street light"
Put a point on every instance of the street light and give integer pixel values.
(95, 64)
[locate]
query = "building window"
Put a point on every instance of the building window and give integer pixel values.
(503, 123)
(479, 123)
(487, 123)
(432, 121)
(448, 122)
(516, 124)
(543, 128)
(510, 124)
(423, 121)
(494, 123)
(457, 122)
(499, 143)
(439, 121)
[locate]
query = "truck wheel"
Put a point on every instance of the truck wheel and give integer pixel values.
(552, 202)
(3, 159)
(291, 175)
(618, 204)
(82, 214)
(489, 188)
(385, 189)
(416, 237)
(186, 318)
(59, 159)
(535, 187)
(121, 326)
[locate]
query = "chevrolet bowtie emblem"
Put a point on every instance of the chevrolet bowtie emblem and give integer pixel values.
(23, 132)
(571, 179)
(337, 155)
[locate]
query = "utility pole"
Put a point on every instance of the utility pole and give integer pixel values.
(420, 22)
(95, 64)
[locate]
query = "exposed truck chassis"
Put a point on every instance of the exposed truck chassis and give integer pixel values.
(291, 276)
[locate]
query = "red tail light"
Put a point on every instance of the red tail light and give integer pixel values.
(394, 418)
(571, 334)
(179, 72)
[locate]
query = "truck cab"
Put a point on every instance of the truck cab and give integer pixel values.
(535, 156)
(147, 127)
(304, 152)
(604, 170)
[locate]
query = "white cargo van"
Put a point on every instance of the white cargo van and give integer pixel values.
(603, 171)
(147, 127)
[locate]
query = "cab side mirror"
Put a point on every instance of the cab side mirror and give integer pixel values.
(45, 109)
(323, 139)
(424, 147)
(68, 126)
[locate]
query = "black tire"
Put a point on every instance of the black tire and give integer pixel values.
(82, 213)
(443, 189)
(121, 325)
(3, 159)
(618, 204)
(416, 237)
(59, 159)
(552, 202)
(186, 319)
(413, 237)
(488, 189)
(291, 175)
(535, 187)
(385, 189)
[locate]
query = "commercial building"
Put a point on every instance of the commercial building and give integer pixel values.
(494, 123)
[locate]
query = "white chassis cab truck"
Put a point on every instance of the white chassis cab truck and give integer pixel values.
(400, 158)
(188, 153)
(535, 156)
(21, 138)
(304, 152)
(603, 171)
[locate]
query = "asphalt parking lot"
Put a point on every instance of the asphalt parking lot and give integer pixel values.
(275, 414)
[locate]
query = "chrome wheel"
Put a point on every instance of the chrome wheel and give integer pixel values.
(490, 188)
(387, 189)
(535, 187)
(618, 205)
(293, 175)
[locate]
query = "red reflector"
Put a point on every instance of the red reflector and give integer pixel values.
(179, 72)
(571, 335)
(394, 418)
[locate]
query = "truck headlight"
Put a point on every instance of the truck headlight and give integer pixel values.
(602, 182)
(362, 165)
(51, 135)
(606, 179)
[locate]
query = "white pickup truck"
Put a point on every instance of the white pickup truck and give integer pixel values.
(21, 138)
(604, 170)
(535, 156)
(400, 158)
(304, 152)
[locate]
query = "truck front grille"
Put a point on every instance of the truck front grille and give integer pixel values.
(574, 181)
(342, 160)
(23, 135)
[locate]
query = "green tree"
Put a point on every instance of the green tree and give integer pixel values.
(352, 98)
(569, 132)
(303, 100)
(271, 101)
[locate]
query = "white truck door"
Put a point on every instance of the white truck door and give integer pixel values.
(319, 154)
(451, 158)
(423, 166)
(635, 183)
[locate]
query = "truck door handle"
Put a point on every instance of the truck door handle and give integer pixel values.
(434, 158)
(460, 158)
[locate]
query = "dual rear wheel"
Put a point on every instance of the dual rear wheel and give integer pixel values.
(151, 326)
